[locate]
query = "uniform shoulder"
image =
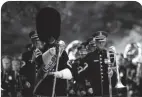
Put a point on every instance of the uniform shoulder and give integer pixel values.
(64, 55)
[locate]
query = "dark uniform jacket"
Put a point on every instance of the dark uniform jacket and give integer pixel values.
(7, 80)
(28, 71)
(97, 71)
(9, 83)
(45, 88)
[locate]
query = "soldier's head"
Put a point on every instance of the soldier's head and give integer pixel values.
(82, 49)
(91, 44)
(132, 51)
(35, 40)
(100, 38)
(48, 25)
(29, 47)
(91, 41)
(16, 64)
(6, 62)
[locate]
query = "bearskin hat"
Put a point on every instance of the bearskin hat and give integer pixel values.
(48, 23)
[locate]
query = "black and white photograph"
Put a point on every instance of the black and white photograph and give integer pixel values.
(71, 49)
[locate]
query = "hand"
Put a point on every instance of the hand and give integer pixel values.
(110, 72)
(58, 74)
(37, 53)
(72, 92)
(83, 93)
(90, 91)
(19, 94)
(28, 85)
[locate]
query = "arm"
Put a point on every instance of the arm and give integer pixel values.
(64, 74)
(64, 70)
(126, 50)
(137, 58)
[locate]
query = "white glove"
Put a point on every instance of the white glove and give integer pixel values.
(58, 74)
(63, 74)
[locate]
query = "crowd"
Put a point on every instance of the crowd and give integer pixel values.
(17, 83)
(87, 61)
(12, 82)
(130, 69)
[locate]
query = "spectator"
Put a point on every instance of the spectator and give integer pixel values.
(7, 77)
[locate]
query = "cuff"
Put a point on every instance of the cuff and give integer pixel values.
(66, 74)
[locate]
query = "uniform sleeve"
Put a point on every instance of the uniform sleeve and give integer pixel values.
(24, 56)
(85, 59)
(63, 61)
(126, 50)
(84, 65)
(79, 70)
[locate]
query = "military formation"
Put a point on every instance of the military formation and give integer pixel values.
(90, 68)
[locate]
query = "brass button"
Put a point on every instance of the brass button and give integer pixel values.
(100, 55)
(100, 62)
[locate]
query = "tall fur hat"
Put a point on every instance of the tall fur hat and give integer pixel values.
(48, 23)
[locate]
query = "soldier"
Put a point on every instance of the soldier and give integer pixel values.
(7, 77)
(20, 80)
(132, 55)
(16, 64)
(96, 66)
(91, 44)
(29, 69)
(48, 28)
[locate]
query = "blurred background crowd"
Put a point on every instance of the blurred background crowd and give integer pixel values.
(122, 20)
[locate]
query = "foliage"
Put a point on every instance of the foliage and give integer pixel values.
(79, 20)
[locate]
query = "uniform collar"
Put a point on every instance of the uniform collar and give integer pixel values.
(100, 50)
